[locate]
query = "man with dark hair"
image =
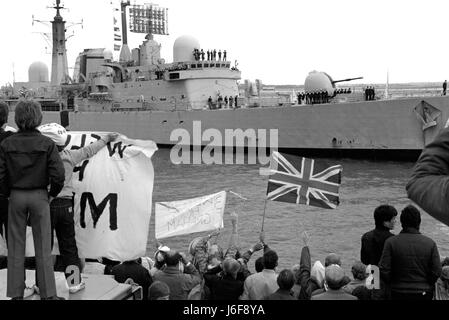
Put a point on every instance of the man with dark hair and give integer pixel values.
(179, 274)
(226, 282)
(260, 285)
(373, 244)
(258, 265)
(410, 261)
(285, 281)
(358, 271)
(334, 280)
(29, 163)
(373, 241)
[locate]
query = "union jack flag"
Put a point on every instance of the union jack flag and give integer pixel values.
(304, 181)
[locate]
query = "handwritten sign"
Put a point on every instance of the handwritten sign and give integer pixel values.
(113, 197)
(189, 216)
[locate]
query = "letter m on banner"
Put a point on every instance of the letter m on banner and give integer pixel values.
(304, 181)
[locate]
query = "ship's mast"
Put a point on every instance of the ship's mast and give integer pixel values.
(59, 66)
(125, 52)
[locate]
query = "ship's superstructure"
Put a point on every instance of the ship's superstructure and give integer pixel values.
(142, 80)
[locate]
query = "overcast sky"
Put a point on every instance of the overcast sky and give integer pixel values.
(279, 42)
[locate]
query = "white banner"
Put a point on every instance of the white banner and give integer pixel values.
(188, 216)
(113, 197)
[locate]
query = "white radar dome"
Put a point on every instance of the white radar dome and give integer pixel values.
(38, 72)
(108, 55)
(183, 48)
(317, 81)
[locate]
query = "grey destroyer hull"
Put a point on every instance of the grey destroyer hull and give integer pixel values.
(385, 126)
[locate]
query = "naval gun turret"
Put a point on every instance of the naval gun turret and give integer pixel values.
(319, 81)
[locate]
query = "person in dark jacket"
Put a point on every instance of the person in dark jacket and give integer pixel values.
(29, 162)
(134, 270)
(373, 244)
(179, 274)
(4, 111)
(410, 261)
(373, 241)
(285, 280)
(225, 284)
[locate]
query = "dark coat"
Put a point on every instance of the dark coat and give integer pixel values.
(29, 160)
(373, 245)
(428, 186)
(135, 271)
(224, 287)
(410, 262)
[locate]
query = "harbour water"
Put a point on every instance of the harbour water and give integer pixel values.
(365, 185)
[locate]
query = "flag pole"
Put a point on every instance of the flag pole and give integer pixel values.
(263, 218)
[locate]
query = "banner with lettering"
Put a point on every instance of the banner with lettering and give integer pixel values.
(188, 216)
(113, 197)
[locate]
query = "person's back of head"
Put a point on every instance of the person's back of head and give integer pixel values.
(334, 276)
(158, 291)
(332, 258)
(359, 271)
(231, 267)
(317, 273)
(28, 115)
(384, 213)
(258, 265)
(296, 271)
(286, 279)
(172, 258)
(270, 260)
(410, 217)
(4, 111)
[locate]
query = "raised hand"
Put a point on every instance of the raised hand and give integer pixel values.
(258, 246)
(111, 137)
(216, 233)
(305, 238)
(262, 237)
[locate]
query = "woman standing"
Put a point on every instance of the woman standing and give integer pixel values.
(29, 162)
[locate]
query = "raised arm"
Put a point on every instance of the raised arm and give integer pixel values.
(91, 149)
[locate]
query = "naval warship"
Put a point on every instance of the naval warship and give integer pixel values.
(144, 97)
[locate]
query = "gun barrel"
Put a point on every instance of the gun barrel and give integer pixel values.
(349, 79)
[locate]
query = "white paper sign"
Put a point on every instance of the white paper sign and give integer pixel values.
(189, 216)
(113, 197)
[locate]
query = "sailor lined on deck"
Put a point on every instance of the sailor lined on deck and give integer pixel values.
(29, 161)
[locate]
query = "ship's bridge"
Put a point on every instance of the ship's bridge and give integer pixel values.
(203, 69)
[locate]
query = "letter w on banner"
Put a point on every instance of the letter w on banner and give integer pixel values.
(304, 181)
(113, 197)
(188, 216)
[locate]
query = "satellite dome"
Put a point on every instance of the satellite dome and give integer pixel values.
(108, 54)
(38, 72)
(183, 48)
(317, 81)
